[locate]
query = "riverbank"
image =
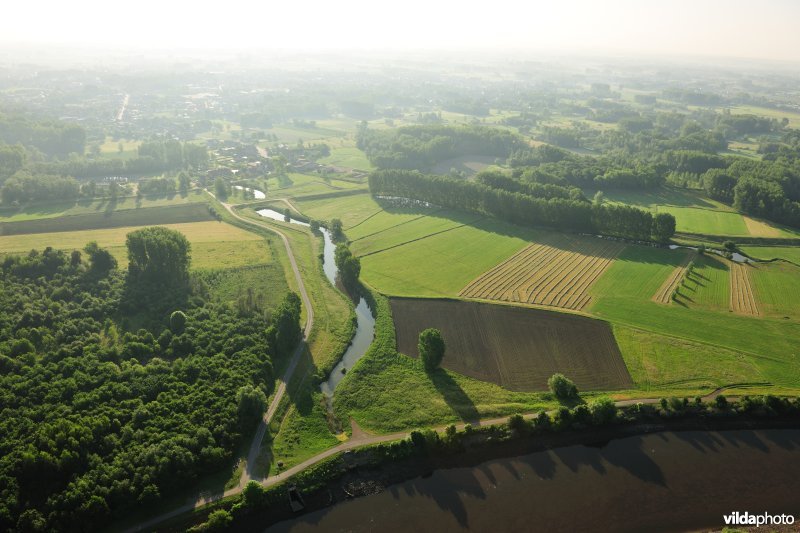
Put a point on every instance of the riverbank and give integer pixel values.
(374, 469)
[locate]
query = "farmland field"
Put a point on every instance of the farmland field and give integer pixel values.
(777, 289)
(97, 206)
(558, 272)
(664, 294)
(298, 185)
(351, 210)
(214, 244)
(126, 218)
(661, 362)
(709, 285)
(442, 264)
(347, 157)
(514, 347)
(623, 296)
(706, 221)
(789, 253)
(743, 300)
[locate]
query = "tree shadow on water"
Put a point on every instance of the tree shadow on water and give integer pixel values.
(454, 395)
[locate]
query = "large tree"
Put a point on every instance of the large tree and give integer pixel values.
(158, 257)
(431, 348)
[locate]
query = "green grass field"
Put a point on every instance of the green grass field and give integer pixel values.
(777, 289)
(347, 157)
(298, 185)
(103, 206)
(409, 231)
(151, 216)
(706, 221)
(214, 244)
(789, 253)
(793, 116)
(658, 362)
(708, 286)
(351, 210)
(771, 344)
(441, 265)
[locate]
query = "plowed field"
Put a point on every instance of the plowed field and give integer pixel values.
(517, 348)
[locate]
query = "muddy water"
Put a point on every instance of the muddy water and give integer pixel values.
(679, 481)
(365, 328)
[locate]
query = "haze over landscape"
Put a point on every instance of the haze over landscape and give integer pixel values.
(709, 28)
(418, 266)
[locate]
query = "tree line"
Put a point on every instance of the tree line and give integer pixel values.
(520, 208)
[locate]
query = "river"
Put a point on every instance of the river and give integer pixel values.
(365, 328)
(670, 481)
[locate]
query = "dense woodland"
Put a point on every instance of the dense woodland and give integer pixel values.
(115, 392)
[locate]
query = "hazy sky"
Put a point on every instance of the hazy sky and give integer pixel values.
(738, 28)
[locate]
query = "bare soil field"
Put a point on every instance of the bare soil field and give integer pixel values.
(743, 301)
(558, 273)
(517, 348)
(664, 293)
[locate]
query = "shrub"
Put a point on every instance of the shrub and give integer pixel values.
(177, 322)
(721, 402)
(516, 422)
(603, 411)
(562, 387)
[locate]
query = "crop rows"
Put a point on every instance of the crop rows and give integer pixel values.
(742, 299)
(558, 274)
(666, 290)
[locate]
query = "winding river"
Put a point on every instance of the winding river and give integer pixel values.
(669, 481)
(365, 328)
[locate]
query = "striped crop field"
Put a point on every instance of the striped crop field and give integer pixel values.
(556, 273)
(664, 294)
(743, 300)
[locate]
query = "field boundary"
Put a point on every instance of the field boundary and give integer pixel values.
(664, 293)
(144, 216)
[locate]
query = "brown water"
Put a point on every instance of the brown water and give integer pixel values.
(679, 481)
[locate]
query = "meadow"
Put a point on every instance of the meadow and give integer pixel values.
(623, 296)
(298, 185)
(788, 253)
(347, 157)
(95, 206)
(214, 244)
(129, 217)
(777, 289)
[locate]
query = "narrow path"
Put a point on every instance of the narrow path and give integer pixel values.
(364, 439)
(280, 391)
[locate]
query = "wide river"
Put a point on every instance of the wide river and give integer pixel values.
(681, 481)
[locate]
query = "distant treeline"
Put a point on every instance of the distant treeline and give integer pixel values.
(52, 138)
(154, 156)
(769, 188)
(521, 207)
(421, 147)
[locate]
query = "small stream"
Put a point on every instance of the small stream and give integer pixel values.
(365, 327)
